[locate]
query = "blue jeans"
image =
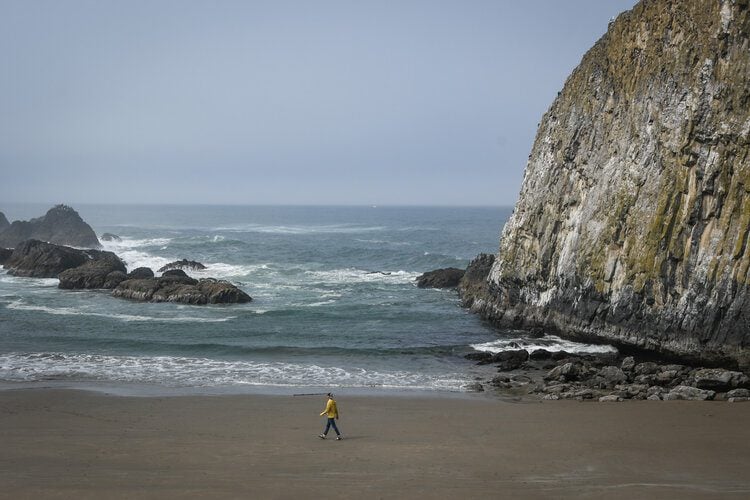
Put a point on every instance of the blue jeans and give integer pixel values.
(331, 423)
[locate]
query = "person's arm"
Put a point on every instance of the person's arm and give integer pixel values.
(328, 405)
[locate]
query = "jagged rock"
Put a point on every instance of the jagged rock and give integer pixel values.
(565, 372)
(3, 222)
(183, 289)
(688, 393)
(632, 222)
(140, 273)
(440, 278)
(739, 393)
(628, 364)
(473, 283)
(654, 397)
(182, 264)
(61, 225)
(94, 273)
(37, 259)
(719, 379)
(5, 254)
(110, 237)
(612, 398)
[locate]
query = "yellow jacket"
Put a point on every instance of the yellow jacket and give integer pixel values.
(331, 411)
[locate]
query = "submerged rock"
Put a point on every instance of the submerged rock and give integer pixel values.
(61, 225)
(440, 278)
(632, 223)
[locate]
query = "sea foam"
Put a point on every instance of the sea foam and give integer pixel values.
(551, 343)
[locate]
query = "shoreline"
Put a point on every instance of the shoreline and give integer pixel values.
(70, 443)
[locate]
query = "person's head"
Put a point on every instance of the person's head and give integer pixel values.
(330, 395)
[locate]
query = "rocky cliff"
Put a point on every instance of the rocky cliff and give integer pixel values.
(633, 219)
(60, 225)
(3, 222)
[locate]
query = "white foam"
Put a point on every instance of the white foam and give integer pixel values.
(30, 282)
(175, 371)
(73, 311)
(551, 343)
(352, 275)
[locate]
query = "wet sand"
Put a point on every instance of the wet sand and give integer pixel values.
(74, 444)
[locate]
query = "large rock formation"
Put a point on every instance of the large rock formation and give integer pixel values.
(60, 225)
(176, 286)
(182, 264)
(39, 259)
(104, 270)
(633, 221)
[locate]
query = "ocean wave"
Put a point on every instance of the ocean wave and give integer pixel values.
(551, 343)
(72, 311)
(174, 371)
(29, 282)
(352, 275)
(291, 229)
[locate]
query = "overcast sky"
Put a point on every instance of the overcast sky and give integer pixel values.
(306, 102)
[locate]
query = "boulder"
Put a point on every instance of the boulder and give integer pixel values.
(182, 264)
(540, 354)
(110, 237)
(483, 358)
(719, 379)
(61, 225)
(37, 259)
(647, 368)
(95, 273)
(628, 364)
(113, 279)
(440, 278)
(689, 393)
(739, 393)
(608, 377)
(565, 372)
(182, 289)
(140, 273)
(510, 360)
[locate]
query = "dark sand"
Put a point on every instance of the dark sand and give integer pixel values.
(71, 444)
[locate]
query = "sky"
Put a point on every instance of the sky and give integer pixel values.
(382, 102)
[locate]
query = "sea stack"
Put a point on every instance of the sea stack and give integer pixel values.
(61, 225)
(633, 219)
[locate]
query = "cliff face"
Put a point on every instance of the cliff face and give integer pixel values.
(633, 219)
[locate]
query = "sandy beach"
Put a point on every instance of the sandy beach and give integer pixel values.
(75, 444)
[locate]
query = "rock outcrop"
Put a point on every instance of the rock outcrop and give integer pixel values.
(110, 237)
(440, 278)
(473, 285)
(104, 270)
(182, 264)
(5, 254)
(39, 259)
(60, 225)
(173, 287)
(633, 221)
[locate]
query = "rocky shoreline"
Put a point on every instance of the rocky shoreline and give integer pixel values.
(606, 378)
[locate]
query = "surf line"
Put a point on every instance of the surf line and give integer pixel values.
(311, 394)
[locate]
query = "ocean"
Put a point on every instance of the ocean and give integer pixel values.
(335, 305)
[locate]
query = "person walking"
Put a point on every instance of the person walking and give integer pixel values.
(332, 412)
